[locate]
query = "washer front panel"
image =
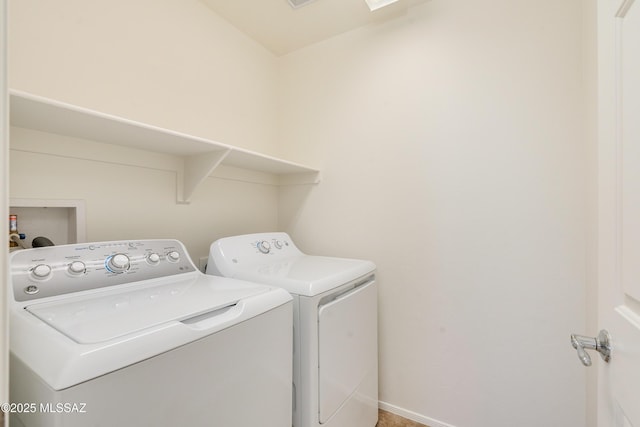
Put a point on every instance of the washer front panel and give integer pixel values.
(81, 311)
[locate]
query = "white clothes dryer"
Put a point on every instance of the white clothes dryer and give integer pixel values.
(335, 357)
(132, 334)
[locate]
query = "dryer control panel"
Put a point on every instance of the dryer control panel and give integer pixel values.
(277, 245)
(56, 270)
(271, 244)
(230, 252)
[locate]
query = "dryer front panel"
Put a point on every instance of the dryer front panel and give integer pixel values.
(347, 347)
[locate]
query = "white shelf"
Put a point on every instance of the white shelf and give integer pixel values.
(200, 156)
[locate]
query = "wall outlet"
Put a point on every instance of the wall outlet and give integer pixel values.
(202, 263)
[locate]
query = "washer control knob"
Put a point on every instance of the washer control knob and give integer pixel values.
(153, 258)
(118, 263)
(76, 268)
(277, 244)
(41, 271)
(173, 256)
(264, 246)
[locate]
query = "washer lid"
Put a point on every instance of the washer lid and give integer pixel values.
(306, 274)
(103, 316)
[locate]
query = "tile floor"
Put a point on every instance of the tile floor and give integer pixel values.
(387, 419)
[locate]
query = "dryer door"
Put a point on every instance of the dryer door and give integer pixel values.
(348, 347)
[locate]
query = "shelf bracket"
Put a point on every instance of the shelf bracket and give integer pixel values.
(195, 169)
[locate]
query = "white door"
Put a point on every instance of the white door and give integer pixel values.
(619, 210)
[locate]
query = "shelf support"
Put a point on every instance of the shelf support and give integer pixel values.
(300, 178)
(191, 158)
(195, 169)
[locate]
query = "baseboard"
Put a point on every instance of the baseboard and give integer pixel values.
(410, 415)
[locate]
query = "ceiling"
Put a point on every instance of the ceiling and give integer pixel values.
(282, 29)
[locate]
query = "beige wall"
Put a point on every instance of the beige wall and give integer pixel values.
(452, 148)
(131, 202)
(452, 151)
(172, 64)
(590, 81)
(4, 211)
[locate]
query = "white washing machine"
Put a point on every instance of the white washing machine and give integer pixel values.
(132, 334)
(335, 324)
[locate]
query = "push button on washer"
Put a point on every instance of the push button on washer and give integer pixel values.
(31, 290)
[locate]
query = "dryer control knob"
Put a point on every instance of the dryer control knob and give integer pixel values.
(264, 247)
(118, 263)
(173, 256)
(277, 244)
(41, 271)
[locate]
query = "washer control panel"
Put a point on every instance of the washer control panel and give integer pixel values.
(56, 270)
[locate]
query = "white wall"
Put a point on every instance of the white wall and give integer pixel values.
(453, 155)
(172, 64)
